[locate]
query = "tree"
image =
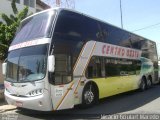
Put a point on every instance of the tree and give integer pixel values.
(9, 27)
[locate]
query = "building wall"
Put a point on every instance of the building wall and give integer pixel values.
(1, 76)
(39, 8)
(5, 7)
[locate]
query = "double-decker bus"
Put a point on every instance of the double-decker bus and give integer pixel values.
(60, 58)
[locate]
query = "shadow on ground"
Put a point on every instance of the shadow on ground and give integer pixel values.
(2, 101)
(111, 105)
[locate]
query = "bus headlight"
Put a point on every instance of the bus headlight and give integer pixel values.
(35, 92)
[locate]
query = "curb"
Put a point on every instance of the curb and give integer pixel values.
(1, 95)
(5, 108)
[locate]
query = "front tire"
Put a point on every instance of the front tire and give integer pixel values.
(89, 96)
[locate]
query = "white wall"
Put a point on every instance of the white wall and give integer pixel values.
(5, 7)
(1, 76)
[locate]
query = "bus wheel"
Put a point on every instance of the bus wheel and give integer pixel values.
(149, 82)
(89, 95)
(143, 84)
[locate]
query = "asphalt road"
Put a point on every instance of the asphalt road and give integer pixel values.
(131, 102)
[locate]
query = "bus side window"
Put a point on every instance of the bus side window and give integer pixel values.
(94, 69)
(63, 69)
(98, 67)
(103, 67)
(112, 68)
(90, 72)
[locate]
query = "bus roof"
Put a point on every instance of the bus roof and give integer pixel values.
(71, 10)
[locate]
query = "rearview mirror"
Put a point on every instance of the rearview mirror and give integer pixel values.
(4, 67)
(51, 63)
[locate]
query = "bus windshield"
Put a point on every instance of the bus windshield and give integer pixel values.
(27, 64)
(34, 27)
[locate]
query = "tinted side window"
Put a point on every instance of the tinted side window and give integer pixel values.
(149, 50)
(63, 69)
(68, 34)
(113, 35)
(72, 31)
(94, 69)
(122, 67)
(91, 29)
(100, 67)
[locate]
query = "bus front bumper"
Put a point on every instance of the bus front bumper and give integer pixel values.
(40, 103)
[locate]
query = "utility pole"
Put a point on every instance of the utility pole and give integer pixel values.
(66, 3)
(121, 14)
(58, 3)
(61, 3)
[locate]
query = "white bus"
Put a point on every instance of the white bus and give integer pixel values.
(159, 70)
(60, 58)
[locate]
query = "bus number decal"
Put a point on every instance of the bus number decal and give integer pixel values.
(58, 92)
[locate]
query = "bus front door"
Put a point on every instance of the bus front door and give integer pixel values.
(62, 89)
(62, 96)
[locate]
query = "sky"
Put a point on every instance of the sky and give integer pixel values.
(137, 14)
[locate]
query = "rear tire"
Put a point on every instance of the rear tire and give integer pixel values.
(149, 82)
(89, 96)
(143, 84)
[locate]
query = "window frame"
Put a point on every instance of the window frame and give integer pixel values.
(69, 71)
(29, 3)
(17, 1)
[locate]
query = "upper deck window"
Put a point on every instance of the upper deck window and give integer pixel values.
(35, 27)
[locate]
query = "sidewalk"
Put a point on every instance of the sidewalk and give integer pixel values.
(1, 91)
(5, 107)
(2, 99)
(2, 102)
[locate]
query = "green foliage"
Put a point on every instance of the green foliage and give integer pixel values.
(14, 8)
(8, 29)
(21, 15)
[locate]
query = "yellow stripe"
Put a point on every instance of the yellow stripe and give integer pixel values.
(89, 59)
(77, 86)
(85, 67)
(78, 58)
(64, 96)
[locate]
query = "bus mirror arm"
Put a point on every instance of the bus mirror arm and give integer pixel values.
(51, 63)
(4, 68)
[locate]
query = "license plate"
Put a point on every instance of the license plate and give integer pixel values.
(19, 104)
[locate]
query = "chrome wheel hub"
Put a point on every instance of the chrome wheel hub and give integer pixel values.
(89, 97)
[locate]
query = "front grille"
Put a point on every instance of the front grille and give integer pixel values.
(18, 95)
